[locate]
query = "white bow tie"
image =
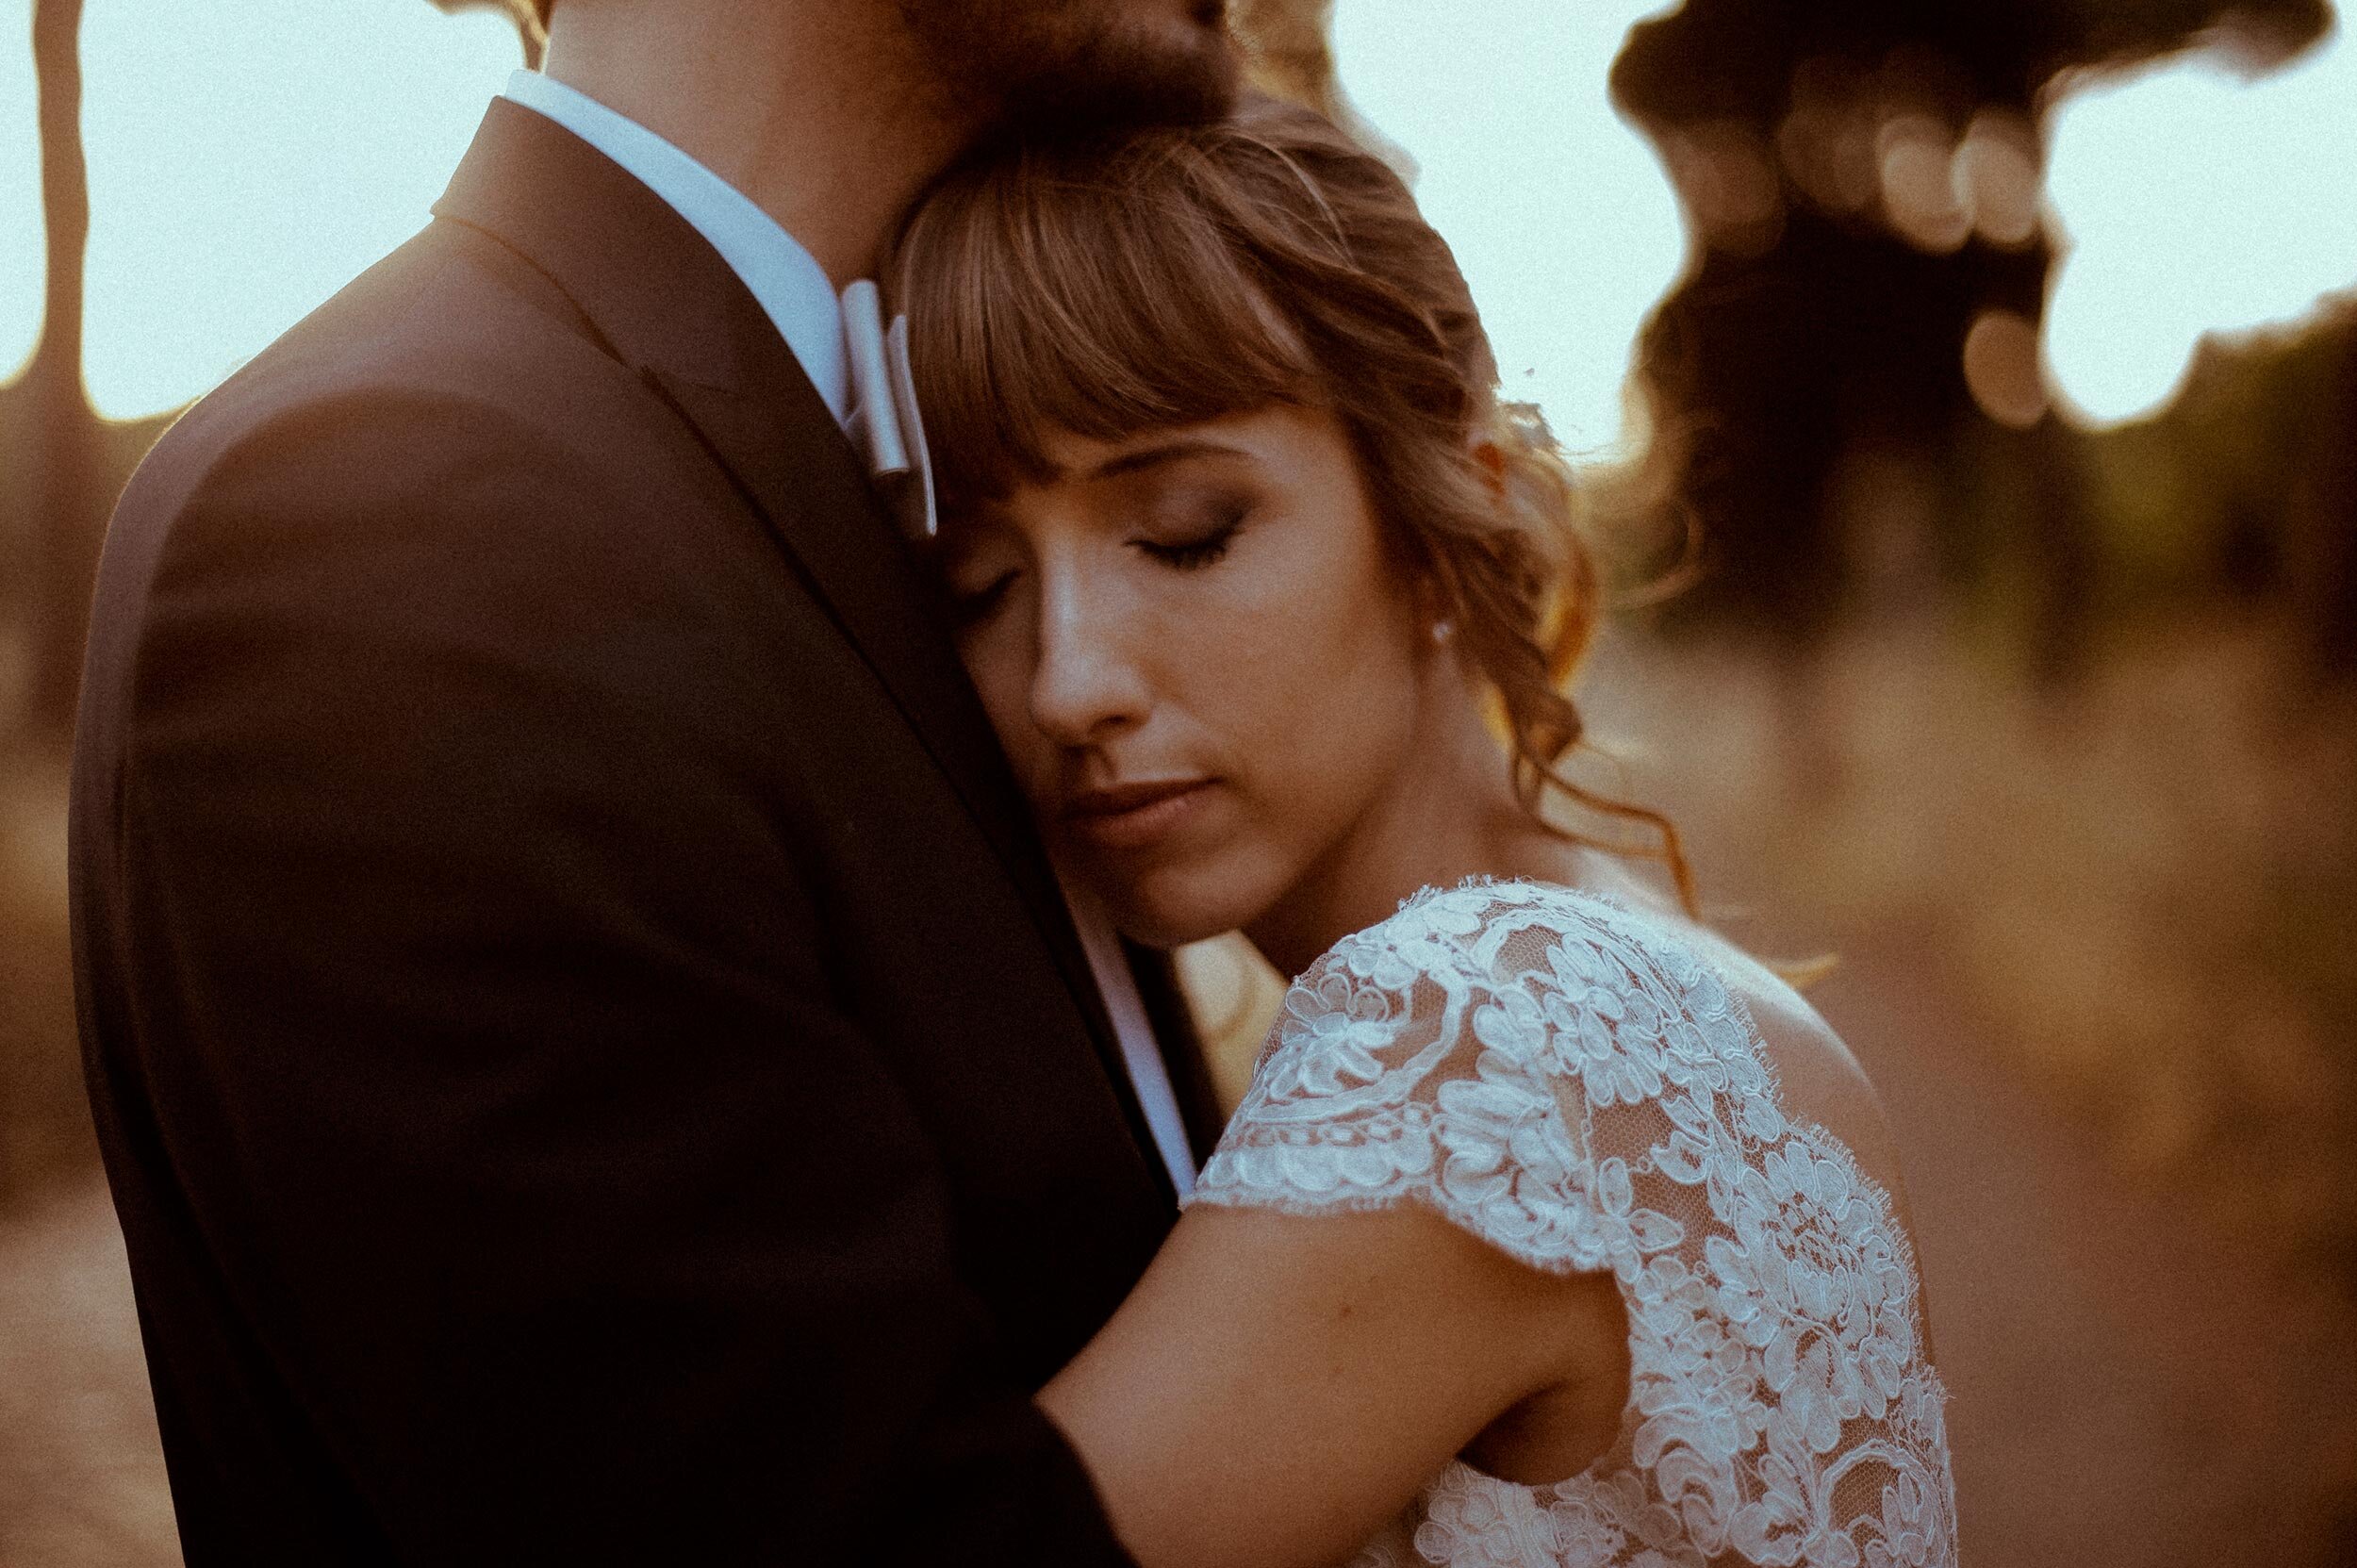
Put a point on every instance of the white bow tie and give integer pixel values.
(883, 421)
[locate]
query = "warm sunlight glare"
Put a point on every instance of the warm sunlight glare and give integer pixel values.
(2196, 202)
(20, 270)
(247, 160)
(1559, 212)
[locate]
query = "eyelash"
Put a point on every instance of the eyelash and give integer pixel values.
(1189, 555)
(1194, 554)
(967, 608)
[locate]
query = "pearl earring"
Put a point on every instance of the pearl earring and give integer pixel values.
(1443, 631)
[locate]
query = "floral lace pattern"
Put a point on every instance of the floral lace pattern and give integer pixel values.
(1571, 1082)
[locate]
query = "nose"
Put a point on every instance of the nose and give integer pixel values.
(1086, 687)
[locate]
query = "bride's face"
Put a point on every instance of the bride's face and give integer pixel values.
(1199, 657)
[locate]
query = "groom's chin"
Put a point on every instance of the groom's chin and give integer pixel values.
(1095, 66)
(1132, 83)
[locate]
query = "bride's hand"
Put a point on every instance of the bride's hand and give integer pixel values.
(1279, 1386)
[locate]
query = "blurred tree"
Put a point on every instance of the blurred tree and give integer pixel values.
(2246, 486)
(1862, 181)
(2317, 565)
(63, 486)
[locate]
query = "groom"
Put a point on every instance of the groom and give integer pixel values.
(592, 1063)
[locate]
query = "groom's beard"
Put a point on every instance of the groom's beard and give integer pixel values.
(1081, 65)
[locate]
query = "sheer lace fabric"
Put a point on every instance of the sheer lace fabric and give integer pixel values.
(1571, 1082)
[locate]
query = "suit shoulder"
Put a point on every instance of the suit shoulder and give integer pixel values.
(440, 337)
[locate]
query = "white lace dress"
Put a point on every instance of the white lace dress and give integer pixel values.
(1571, 1082)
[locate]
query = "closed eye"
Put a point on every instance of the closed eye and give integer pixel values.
(1196, 553)
(969, 607)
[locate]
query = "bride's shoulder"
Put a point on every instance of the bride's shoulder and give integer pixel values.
(1534, 974)
(1484, 1031)
(1551, 939)
(1503, 963)
(1743, 1011)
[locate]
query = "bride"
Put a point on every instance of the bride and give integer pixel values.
(1553, 1230)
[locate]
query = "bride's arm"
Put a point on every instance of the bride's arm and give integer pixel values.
(1279, 1386)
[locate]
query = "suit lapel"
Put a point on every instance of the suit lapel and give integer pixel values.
(804, 477)
(804, 480)
(665, 303)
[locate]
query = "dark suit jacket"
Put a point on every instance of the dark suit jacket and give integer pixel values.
(591, 1061)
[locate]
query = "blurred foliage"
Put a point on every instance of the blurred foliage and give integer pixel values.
(2244, 488)
(1847, 381)
(63, 489)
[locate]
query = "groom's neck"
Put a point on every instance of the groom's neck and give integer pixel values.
(823, 113)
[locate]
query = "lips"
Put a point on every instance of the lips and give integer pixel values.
(1134, 815)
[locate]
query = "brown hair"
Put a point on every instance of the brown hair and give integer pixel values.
(1177, 274)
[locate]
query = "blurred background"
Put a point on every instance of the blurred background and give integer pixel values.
(1981, 373)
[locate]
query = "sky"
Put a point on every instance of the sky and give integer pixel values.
(1562, 221)
(245, 163)
(2194, 202)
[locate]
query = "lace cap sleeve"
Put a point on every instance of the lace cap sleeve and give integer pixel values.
(1454, 1054)
(1571, 1082)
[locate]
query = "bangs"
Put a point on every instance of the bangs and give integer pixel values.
(1103, 294)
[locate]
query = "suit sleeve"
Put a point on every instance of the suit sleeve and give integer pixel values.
(575, 1216)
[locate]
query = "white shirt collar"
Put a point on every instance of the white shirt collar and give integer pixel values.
(788, 281)
(1149, 1074)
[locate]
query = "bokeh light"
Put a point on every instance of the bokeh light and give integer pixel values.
(1882, 143)
(1557, 209)
(22, 270)
(2000, 368)
(246, 160)
(1915, 160)
(2194, 202)
(1996, 177)
(1827, 138)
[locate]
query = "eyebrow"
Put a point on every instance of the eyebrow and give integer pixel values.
(1168, 452)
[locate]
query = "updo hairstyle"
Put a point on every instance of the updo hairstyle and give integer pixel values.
(1174, 275)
